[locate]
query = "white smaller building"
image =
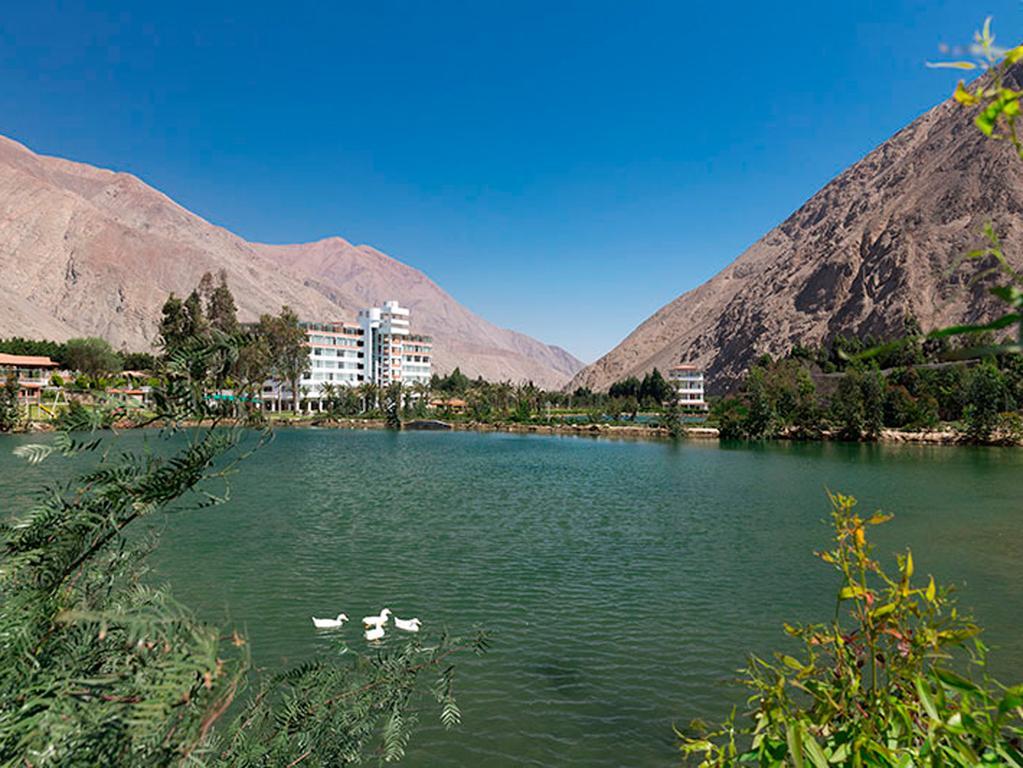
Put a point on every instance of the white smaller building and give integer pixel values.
(688, 383)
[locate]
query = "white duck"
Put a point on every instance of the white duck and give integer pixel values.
(330, 623)
(408, 625)
(376, 633)
(376, 621)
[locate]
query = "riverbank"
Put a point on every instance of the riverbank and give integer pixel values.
(933, 437)
(625, 431)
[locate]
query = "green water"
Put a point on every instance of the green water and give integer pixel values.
(623, 582)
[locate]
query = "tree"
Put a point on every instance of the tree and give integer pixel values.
(175, 325)
(455, 383)
(288, 354)
(806, 413)
(673, 420)
(195, 319)
(392, 405)
(137, 361)
(10, 411)
(92, 356)
(368, 393)
(654, 388)
(221, 311)
(847, 406)
(628, 387)
(730, 415)
(873, 392)
(760, 414)
(984, 399)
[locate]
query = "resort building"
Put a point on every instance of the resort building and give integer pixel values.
(397, 355)
(379, 349)
(688, 383)
(33, 373)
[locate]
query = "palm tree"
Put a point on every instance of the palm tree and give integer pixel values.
(329, 393)
(368, 394)
(422, 394)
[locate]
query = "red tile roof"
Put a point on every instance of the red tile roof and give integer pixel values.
(26, 361)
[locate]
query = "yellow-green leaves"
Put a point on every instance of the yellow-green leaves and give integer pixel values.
(964, 97)
(931, 591)
(951, 65)
(1005, 105)
(1014, 54)
(852, 591)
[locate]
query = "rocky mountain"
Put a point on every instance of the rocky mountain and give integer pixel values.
(87, 251)
(878, 242)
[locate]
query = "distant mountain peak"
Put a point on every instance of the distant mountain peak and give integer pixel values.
(89, 251)
(876, 243)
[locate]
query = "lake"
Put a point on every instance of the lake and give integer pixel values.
(623, 582)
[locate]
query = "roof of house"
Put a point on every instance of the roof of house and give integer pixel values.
(454, 402)
(684, 368)
(27, 361)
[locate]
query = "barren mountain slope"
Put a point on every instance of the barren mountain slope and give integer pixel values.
(88, 251)
(876, 243)
(358, 275)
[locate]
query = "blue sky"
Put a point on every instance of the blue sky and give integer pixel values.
(563, 168)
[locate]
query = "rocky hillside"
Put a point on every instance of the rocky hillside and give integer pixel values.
(876, 243)
(89, 251)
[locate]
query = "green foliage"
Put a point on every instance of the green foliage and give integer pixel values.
(221, 311)
(10, 411)
(629, 387)
(730, 414)
(672, 419)
(98, 669)
(885, 686)
(760, 420)
(806, 413)
(283, 343)
(176, 325)
(92, 356)
(392, 405)
(986, 395)
(847, 406)
(138, 361)
(873, 391)
(455, 383)
(16, 345)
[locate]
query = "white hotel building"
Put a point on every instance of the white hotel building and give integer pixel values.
(379, 348)
(688, 382)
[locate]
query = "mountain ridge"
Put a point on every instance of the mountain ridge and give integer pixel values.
(874, 244)
(93, 251)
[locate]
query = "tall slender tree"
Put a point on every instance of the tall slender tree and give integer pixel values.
(221, 311)
(289, 357)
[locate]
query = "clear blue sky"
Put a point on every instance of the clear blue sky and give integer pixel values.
(563, 168)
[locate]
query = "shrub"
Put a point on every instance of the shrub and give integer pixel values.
(877, 689)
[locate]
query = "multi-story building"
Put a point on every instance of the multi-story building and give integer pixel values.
(397, 354)
(379, 348)
(32, 372)
(688, 383)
